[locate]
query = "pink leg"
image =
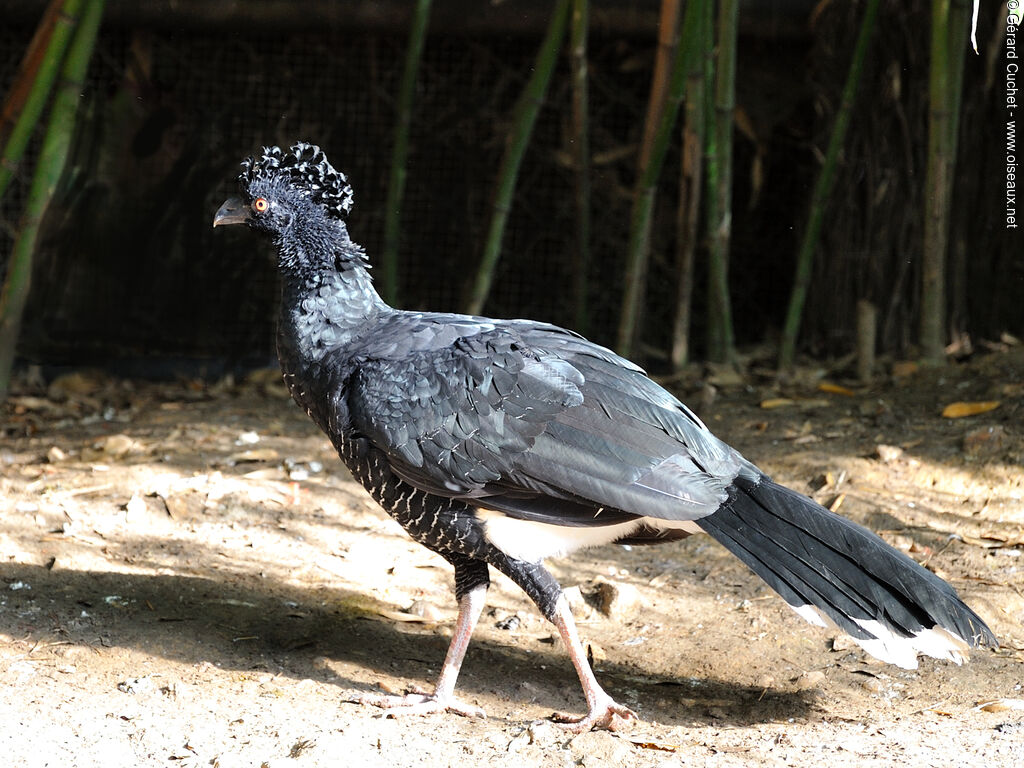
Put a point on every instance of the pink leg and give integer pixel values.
(603, 711)
(443, 698)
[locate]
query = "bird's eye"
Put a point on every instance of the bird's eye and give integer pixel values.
(260, 204)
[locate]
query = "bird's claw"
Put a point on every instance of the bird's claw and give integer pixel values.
(604, 715)
(417, 702)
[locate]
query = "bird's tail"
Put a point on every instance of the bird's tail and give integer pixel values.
(834, 572)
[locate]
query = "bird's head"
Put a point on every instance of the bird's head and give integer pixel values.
(296, 197)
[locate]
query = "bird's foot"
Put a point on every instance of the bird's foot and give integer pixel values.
(417, 702)
(604, 714)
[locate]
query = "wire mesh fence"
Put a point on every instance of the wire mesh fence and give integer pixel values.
(130, 267)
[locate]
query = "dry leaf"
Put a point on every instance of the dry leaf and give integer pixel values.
(118, 446)
(405, 618)
(835, 389)
(960, 409)
(253, 455)
(1001, 705)
(903, 368)
(992, 540)
(777, 402)
(646, 743)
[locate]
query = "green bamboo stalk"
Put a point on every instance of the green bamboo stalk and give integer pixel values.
(634, 279)
(26, 74)
(580, 24)
(39, 93)
(720, 333)
(933, 255)
(822, 190)
(690, 178)
(524, 117)
(956, 300)
(710, 136)
(52, 158)
(945, 87)
(669, 22)
(400, 153)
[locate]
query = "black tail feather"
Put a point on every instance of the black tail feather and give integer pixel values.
(813, 557)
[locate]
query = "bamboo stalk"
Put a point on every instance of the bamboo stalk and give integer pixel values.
(690, 178)
(822, 190)
(32, 86)
(581, 160)
(957, 301)
(28, 69)
(668, 37)
(720, 333)
(867, 332)
(400, 153)
(524, 117)
(945, 86)
(644, 195)
(52, 158)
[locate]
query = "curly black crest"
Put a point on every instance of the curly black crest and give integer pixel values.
(304, 168)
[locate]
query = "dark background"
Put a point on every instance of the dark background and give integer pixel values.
(130, 273)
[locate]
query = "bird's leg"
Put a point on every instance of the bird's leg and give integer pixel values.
(603, 710)
(540, 585)
(471, 604)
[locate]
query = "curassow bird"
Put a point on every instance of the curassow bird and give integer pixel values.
(500, 443)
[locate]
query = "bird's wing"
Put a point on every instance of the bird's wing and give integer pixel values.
(538, 423)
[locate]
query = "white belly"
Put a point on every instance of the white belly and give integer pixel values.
(532, 542)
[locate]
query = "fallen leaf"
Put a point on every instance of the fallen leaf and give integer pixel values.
(118, 446)
(835, 389)
(837, 502)
(402, 616)
(1001, 705)
(958, 409)
(185, 505)
(644, 743)
(903, 368)
(777, 402)
(28, 403)
(992, 540)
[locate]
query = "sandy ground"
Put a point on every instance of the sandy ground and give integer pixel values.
(189, 577)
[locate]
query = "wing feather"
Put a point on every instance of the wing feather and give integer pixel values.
(536, 422)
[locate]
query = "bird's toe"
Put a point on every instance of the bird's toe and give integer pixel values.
(604, 715)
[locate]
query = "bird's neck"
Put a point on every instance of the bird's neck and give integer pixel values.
(325, 309)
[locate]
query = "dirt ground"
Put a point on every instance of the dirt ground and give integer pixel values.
(189, 577)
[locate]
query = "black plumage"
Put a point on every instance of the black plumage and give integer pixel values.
(499, 443)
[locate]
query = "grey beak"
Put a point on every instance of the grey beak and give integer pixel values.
(234, 211)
